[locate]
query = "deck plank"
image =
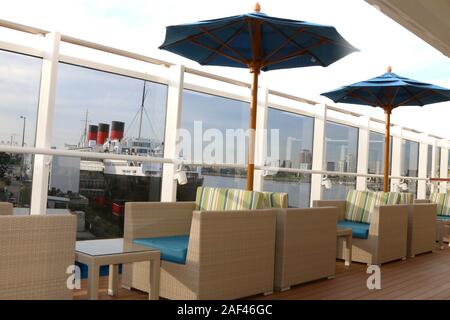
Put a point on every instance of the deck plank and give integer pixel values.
(426, 276)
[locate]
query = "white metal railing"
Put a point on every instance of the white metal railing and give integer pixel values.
(113, 156)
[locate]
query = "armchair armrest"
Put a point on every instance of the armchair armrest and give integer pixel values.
(340, 204)
(389, 230)
(157, 219)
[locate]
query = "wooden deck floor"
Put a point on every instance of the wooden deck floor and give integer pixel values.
(426, 276)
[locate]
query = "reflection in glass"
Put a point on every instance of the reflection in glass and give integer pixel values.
(295, 151)
(376, 160)
(96, 111)
(206, 119)
(410, 164)
(341, 153)
(19, 95)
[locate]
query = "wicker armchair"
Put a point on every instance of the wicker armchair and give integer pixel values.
(387, 239)
(35, 252)
(230, 253)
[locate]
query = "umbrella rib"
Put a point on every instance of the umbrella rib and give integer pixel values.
(294, 54)
(198, 35)
(294, 42)
(223, 44)
(330, 40)
(218, 52)
(414, 97)
(354, 95)
(284, 44)
(380, 103)
(209, 58)
(395, 96)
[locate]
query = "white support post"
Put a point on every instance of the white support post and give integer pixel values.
(318, 151)
(261, 137)
(396, 156)
(45, 123)
(423, 164)
(434, 161)
(173, 119)
(444, 168)
(363, 153)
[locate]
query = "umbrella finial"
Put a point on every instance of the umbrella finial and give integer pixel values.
(257, 7)
(389, 69)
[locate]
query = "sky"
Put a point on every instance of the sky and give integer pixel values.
(139, 26)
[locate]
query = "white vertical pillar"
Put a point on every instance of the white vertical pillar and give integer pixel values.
(363, 152)
(44, 125)
(318, 151)
(444, 166)
(173, 119)
(396, 156)
(434, 160)
(423, 163)
(261, 137)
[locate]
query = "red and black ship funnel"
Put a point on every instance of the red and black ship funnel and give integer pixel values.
(103, 133)
(92, 135)
(117, 129)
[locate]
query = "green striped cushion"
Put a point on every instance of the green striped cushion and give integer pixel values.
(386, 198)
(446, 205)
(359, 206)
(213, 199)
(406, 198)
(275, 199)
(439, 199)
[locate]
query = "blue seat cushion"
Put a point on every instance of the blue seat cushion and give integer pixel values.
(359, 230)
(445, 218)
(173, 249)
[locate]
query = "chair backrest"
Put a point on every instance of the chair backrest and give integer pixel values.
(219, 199)
(35, 252)
(6, 209)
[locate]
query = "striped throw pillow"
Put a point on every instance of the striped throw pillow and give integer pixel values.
(359, 206)
(217, 199)
(446, 205)
(439, 199)
(275, 199)
(243, 200)
(406, 198)
(386, 198)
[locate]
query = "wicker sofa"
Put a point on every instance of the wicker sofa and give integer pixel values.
(35, 252)
(6, 209)
(384, 225)
(230, 253)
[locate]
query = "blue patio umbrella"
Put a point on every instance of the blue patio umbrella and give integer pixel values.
(388, 92)
(258, 42)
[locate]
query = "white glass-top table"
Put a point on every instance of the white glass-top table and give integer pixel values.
(113, 252)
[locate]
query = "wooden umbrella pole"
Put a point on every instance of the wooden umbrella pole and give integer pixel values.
(255, 69)
(252, 128)
(387, 141)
